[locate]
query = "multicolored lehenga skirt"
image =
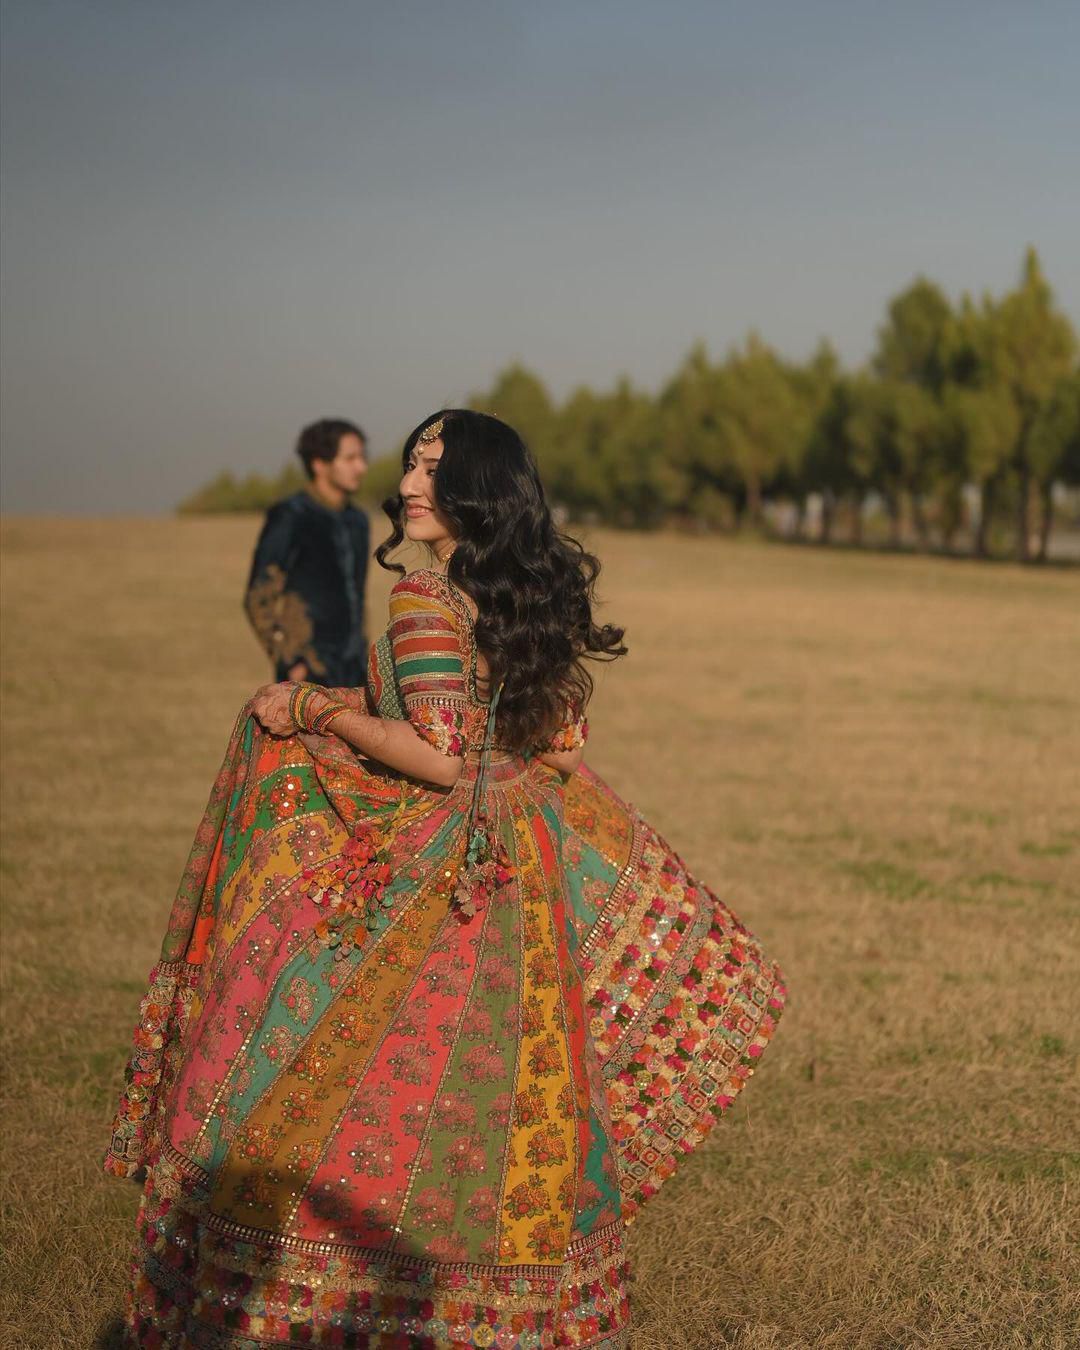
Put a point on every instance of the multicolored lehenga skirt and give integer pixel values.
(364, 1118)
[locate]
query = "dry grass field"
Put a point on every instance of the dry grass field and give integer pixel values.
(877, 759)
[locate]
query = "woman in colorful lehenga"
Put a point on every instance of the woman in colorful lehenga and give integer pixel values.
(436, 1012)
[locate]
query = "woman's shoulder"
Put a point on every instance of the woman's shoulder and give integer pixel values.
(432, 591)
(423, 582)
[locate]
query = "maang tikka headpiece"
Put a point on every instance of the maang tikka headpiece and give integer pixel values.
(432, 432)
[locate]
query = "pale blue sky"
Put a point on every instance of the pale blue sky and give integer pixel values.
(223, 220)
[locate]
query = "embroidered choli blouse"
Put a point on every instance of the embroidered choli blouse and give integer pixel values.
(424, 668)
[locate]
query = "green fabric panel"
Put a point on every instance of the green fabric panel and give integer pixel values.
(590, 879)
(609, 1199)
(229, 853)
(429, 665)
(391, 704)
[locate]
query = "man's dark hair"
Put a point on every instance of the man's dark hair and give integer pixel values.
(321, 440)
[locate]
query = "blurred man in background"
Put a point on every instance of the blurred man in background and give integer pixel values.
(305, 596)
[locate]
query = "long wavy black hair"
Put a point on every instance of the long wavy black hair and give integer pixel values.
(533, 585)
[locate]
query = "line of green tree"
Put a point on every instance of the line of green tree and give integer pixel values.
(963, 427)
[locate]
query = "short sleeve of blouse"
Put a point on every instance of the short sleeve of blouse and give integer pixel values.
(572, 735)
(429, 663)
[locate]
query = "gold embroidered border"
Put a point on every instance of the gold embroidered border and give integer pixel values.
(577, 1250)
(635, 911)
(637, 846)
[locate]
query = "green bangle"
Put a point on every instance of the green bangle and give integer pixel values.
(305, 708)
(294, 703)
(320, 723)
(299, 702)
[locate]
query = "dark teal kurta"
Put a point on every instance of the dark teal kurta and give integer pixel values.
(305, 595)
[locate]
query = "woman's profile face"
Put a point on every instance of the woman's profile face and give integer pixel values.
(424, 522)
